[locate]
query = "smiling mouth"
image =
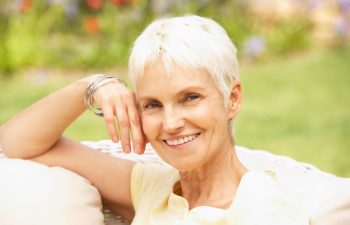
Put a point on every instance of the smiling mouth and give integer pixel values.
(183, 140)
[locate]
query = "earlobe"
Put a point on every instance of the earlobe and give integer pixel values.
(234, 101)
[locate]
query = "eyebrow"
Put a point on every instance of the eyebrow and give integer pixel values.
(191, 88)
(181, 92)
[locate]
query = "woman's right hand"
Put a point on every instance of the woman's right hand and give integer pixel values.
(121, 115)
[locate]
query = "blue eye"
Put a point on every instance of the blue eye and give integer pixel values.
(152, 105)
(191, 97)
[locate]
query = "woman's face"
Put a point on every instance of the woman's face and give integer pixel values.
(184, 116)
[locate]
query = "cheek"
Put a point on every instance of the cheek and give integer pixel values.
(149, 126)
(208, 116)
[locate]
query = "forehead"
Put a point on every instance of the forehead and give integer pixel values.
(160, 80)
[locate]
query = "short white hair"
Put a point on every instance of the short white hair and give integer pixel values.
(189, 42)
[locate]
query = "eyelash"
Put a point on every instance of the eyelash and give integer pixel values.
(191, 97)
(151, 105)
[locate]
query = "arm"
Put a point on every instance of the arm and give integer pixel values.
(36, 134)
(35, 130)
(39, 127)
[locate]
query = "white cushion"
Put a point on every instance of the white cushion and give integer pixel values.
(34, 194)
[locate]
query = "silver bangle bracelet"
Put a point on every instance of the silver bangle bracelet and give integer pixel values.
(95, 83)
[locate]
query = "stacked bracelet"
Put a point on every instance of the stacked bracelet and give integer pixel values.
(95, 83)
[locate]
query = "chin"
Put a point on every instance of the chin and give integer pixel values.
(183, 165)
(178, 158)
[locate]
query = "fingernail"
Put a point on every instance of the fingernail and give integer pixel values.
(114, 139)
(127, 148)
(137, 149)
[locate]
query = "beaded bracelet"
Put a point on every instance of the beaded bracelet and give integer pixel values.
(95, 83)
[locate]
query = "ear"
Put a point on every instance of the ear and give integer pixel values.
(234, 100)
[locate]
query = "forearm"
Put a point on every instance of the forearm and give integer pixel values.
(37, 129)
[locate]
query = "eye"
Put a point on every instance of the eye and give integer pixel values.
(191, 97)
(152, 105)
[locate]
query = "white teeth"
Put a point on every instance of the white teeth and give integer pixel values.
(181, 140)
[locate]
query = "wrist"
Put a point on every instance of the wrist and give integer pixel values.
(95, 82)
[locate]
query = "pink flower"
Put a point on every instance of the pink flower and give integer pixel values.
(94, 4)
(119, 2)
(26, 5)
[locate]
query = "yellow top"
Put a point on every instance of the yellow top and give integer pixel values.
(258, 201)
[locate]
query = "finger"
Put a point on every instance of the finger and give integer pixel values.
(143, 133)
(108, 115)
(123, 125)
(138, 139)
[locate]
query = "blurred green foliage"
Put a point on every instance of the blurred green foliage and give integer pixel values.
(46, 35)
(78, 34)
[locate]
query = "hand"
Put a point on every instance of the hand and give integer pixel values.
(119, 108)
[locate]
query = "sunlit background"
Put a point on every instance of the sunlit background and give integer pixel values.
(294, 55)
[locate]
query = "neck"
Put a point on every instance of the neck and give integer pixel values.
(216, 182)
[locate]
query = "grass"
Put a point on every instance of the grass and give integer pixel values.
(299, 106)
(296, 106)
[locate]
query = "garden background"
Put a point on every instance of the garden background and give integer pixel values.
(294, 55)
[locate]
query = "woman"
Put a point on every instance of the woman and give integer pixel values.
(188, 93)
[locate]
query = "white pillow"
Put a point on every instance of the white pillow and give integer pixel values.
(35, 194)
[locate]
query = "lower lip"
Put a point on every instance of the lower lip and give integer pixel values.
(181, 146)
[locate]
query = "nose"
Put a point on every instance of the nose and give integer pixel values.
(173, 120)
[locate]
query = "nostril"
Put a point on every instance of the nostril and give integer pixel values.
(172, 122)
